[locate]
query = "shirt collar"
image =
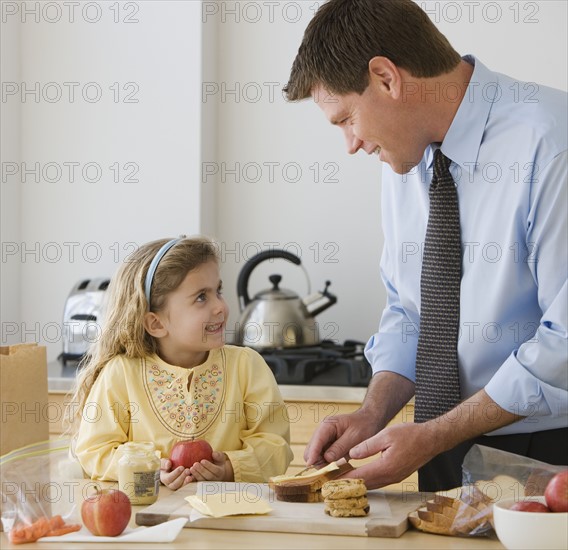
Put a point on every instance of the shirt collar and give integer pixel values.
(463, 139)
(213, 355)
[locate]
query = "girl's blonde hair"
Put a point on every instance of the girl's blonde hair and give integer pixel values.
(123, 330)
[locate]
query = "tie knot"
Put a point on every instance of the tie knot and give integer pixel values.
(441, 164)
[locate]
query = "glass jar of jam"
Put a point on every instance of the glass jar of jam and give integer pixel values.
(139, 472)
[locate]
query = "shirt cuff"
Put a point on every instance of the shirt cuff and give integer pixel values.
(516, 390)
(235, 463)
(393, 353)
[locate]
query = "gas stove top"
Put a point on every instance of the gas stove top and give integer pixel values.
(327, 364)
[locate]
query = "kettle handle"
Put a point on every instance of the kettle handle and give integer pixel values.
(244, 275)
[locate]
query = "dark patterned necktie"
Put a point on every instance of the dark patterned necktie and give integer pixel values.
(437, 377)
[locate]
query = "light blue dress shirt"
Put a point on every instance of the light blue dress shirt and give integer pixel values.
(508, 146)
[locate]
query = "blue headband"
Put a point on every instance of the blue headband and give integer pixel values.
(154, 265)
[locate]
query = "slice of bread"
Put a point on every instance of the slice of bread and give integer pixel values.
(293, 490)
(304, 488)
(314, 496)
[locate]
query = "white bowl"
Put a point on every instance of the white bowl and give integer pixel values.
(530, 530)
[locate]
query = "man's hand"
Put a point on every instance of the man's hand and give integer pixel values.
(335, 436)
(404, 448)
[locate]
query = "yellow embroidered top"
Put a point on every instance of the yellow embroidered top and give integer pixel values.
(232, 400)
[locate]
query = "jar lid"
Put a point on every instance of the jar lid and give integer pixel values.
(146, 446)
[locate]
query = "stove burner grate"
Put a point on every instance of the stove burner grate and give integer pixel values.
(329, 364)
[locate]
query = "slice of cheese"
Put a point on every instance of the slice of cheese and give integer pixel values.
(311, 474)
(228, 504)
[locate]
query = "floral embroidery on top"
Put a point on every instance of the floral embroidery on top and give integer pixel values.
(186, 411)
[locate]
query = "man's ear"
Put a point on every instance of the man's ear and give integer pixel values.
(154, 326)
(384, 74)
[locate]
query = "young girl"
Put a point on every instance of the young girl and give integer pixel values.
(161, 372)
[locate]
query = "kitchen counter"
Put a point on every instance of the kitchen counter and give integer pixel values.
(247, 540)
(60, 380)
(212, 538)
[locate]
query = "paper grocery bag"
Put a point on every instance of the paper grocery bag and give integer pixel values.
(23, 396)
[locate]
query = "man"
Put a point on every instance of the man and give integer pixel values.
(383, 73)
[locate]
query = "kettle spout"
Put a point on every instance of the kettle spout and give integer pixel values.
(319, 301)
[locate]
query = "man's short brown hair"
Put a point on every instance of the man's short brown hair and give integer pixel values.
(345, 35)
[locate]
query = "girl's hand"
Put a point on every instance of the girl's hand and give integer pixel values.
(174, 479)
(220, 469)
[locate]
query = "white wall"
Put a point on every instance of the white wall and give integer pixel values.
(137, 146)
(176, 135)
(523, 38)
(294, 187)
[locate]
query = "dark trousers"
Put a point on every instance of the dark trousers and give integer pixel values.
(444, 471)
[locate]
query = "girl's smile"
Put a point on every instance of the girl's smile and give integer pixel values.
(193, 319)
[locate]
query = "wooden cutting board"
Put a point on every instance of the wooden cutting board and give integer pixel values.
(388, 516)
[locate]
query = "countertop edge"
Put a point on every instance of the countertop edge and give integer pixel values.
(60, 380)
(335, 394)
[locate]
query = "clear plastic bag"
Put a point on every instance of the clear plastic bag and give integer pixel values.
(38, 491)
(499, 474)
(489, 475)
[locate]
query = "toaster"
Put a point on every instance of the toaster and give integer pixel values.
(81, 317)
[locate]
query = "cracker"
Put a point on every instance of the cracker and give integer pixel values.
(355, 502)
(347, 512)
(343, 488)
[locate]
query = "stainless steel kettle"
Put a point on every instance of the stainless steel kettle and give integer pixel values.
(277, 317)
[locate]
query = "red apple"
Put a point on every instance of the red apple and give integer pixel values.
(529, 506)
(187, 453)
(556, 492)
(106, 513)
